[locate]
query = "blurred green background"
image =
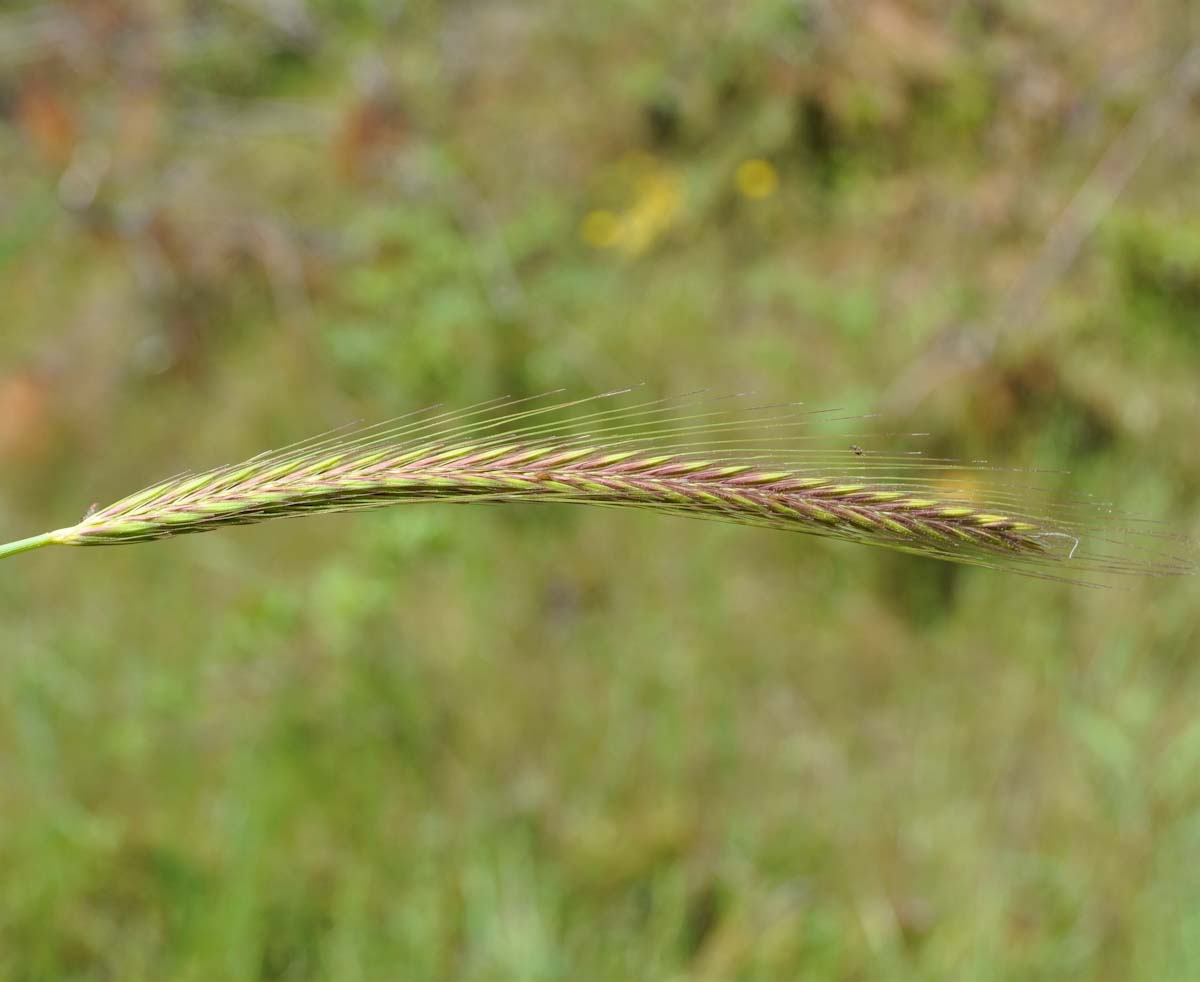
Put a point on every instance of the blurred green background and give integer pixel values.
(556, 743)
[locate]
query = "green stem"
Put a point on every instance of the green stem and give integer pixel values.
(25, 545)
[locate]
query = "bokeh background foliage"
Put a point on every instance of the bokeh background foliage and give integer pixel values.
(539, 743)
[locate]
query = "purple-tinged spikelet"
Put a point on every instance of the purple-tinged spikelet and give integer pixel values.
(634, 457)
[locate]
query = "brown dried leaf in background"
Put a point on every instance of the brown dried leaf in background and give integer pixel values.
(47, 117)
(371, 128)
(28, 421)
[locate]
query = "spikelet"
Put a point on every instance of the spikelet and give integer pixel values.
(751, 466)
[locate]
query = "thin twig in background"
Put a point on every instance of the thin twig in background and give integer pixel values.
(964, 348)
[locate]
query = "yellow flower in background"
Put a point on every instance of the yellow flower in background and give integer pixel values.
(756, 179)
(654, 210)
(657, 203)
(601, 229)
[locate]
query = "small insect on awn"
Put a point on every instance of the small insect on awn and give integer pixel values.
(858, 451)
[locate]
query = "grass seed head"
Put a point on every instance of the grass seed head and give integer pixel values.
(712, 461)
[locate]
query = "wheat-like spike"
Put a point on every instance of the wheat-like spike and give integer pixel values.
(645, 456)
